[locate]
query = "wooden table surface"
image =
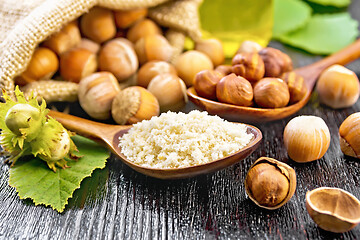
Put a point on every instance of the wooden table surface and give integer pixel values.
(119, 203)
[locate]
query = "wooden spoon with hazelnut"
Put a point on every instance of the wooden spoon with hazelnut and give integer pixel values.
(310, 74)
(111, 134)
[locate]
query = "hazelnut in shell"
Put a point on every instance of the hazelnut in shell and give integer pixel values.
(333, 209)
(169, 90)
(235, 90)
(248, 46)
(153, 47)
(296, 85)
(126, 18)
(213, 48)
(89, 45)
(249, 66)
(118, 57)
(43, 64)
(306, 138)
(276, 62)
(338, 87)
(62, 41)
(134, 104)
(151, 69)
(349, 132)
(98, 24)
(76, 64)
(189, 63)
(271, 93)
(96, 93)
(142, 29)
(270, 183)
(205, 83)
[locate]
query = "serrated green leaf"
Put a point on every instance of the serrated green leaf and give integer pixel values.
(335, 3)
(33, 179)
(324, 33)
(290, 15)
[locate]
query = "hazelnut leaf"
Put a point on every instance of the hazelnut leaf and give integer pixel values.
(33, 179)
(324, 33)
(335, 3)
(290, 15)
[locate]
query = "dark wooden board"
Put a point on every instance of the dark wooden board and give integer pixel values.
(118, 203)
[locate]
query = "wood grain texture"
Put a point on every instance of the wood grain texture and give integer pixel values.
(119, 203)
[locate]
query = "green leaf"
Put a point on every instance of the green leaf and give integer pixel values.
(336, 3)
(33, 179)
(324, 33)
(290, 15)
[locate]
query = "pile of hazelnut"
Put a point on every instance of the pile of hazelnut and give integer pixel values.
(107, 52)
(257, 77)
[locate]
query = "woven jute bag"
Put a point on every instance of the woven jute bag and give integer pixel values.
(25, 24)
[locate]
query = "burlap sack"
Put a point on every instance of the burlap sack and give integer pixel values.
(25, 24)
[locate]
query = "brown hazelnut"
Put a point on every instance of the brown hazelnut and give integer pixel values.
(205, 83)
(153, 47)
(189, 63)
(134, 104)
(270, 183)
(125, 18)
(142, 29)
(213, 48)
(43, 64)
(152, 69)
(248, 46)
(224, 69)
(169, 90)
(96, 93)
(271, 93)
(89, 45)
(67, 38)
(296, 85)
(276, 62)
(98, 24)
(249, 66)
(76, 64)
(118, 57)
(235, 90)
(349, 131)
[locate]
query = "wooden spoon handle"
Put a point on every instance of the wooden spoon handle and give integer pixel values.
(344, 56)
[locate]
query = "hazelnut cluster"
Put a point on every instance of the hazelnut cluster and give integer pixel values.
(257, 77)
(105, 52)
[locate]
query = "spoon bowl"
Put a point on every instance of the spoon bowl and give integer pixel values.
(310, 74)
(110, 135)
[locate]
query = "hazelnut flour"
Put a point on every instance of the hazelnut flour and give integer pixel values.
(176, 140)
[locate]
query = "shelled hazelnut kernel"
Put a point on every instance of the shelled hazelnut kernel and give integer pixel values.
(141, 29)
(62, 41)
(153, 47)
(213, 48)
(249, 47)
(224, 69)
(235, 90)
(276, 62)
(98, 24)
(96, 93)
(134, 104)
(296, 85)
(249, 66)
(125, 18)
(306, 138)
(118, 57)
(271, 93)
(89, 45)
(189, 63)
(205, 83)
(76, 64)
(338, 87)
(349, 131)
(169, 90)
(152, 69)
(43, 64)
